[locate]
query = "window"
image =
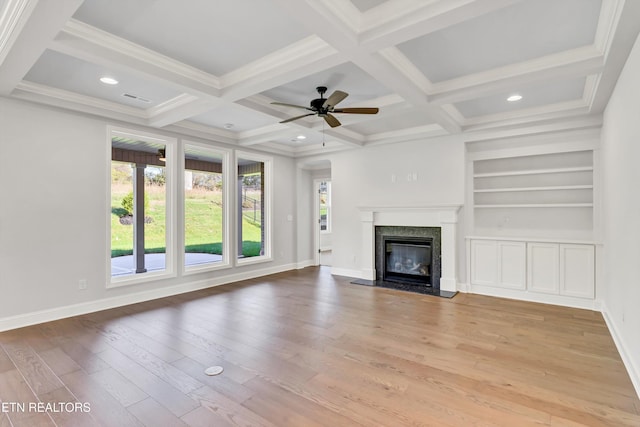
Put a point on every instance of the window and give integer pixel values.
(324, 194)
(253, 207)
(140, 207)
(205, 209)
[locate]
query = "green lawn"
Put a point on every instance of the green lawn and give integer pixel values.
(203, 234)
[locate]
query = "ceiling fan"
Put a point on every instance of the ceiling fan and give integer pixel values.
(324, 107)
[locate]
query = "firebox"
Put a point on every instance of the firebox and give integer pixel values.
(408, 259)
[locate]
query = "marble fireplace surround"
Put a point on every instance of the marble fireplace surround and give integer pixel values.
(443, 216)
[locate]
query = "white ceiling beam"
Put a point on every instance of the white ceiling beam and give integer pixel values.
(305, 57)
(179, 108)
(32, 27)
(278, 131)
(385, 72)
(93, 45)
(321, 19)
(574, 63)
(394, 22)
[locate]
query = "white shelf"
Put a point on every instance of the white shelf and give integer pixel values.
(534, 172)
(543, 195)
(537, 205)
(532, 239)
(550, 188)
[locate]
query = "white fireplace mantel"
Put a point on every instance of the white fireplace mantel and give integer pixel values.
(443, 216)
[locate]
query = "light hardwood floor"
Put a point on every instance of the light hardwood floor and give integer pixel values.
(304, 348)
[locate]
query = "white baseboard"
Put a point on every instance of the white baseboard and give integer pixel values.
(57, 313)
(305, 263)
(357, 274)
(566, 301)
(632, 369)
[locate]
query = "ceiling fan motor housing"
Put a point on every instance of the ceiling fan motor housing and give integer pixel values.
(316, 104)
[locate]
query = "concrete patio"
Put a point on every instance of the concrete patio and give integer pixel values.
(125, 264)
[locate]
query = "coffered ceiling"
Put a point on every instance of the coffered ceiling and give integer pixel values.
(211, 68)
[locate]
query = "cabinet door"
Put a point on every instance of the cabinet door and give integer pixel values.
(543, 262)
(484, 262)
(577, 276)
(512, 263)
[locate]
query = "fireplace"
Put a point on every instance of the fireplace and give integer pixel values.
(438, 222)
(408, 256)
(407, 259)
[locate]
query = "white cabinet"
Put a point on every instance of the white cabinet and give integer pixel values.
(512, 262)
(561, 268)
(484, 259)
(555, 269)
(577, 275)
(543, 267)
(498, 263)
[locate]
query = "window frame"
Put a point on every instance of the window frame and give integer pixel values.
(171, 145)
(267, 219)
(225, 263)
(328, 205)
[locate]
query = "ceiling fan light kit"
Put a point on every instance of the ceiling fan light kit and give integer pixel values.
(324, 107)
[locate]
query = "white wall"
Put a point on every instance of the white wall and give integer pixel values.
(304, 217)
(621, 180)
(363, 177)
(53, 191)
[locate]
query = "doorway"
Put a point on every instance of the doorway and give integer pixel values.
(322, 191)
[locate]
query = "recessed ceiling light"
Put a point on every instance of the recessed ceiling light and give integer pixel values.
(108, 80)
(514, 98)
(301, 137)
(228, 125)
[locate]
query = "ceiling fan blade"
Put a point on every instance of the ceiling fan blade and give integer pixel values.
(290, 105)
(362, 110)
(297, 117)
(334, 99)
(331, 120)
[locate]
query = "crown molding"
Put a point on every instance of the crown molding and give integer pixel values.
(558, 111)
(13, 17)
(591, 89)
(409, 134)
(204, 131)
(78, 101)
(610, 13)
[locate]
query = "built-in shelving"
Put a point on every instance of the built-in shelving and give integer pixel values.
(537, 205)
(533, 172)
(548, 188)
(548, 194)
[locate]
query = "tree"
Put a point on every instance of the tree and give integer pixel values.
(127, 203)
